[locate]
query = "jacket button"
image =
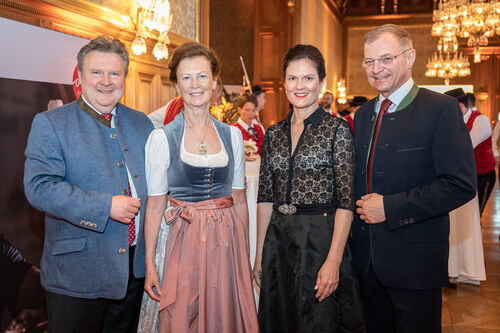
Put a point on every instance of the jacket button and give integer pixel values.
(112, 136)
(94, 225)
(82, 222)
(412, 220)
(122, 251)
(125, 149)
(401, 222)
(363, 228)
(119, 163)
(366, 146)
(88, 224)
(125, 191)
(363, 172)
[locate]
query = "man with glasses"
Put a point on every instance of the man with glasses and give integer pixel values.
(414, 164)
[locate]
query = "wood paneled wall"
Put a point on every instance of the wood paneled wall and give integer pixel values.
(322, 27)
(148, 86)
(273, 35)
(231, 36)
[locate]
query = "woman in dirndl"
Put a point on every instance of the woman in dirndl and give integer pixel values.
(205, 272)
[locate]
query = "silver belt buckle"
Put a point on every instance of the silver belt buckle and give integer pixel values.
(287, 209)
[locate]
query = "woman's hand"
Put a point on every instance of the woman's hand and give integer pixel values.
(257, 271)
(151, 281)
(328, 279)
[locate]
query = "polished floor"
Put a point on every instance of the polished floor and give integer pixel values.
(477, 308)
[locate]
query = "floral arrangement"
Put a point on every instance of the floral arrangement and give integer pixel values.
(226, 111)
(249, 146)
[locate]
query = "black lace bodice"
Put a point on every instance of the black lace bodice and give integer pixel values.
(321, 170)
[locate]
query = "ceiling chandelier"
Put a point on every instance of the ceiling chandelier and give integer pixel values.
(476, 20)
(479, 21)
(153, 15)
(447, 67)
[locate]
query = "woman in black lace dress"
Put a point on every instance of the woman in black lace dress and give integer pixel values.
(305, 209)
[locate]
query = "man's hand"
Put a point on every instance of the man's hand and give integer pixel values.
(371, 208)
(124, 209)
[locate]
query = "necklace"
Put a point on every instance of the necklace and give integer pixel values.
(202, 147)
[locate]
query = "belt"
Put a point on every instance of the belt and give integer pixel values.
(291, 209)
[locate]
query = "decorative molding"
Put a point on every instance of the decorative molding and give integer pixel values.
(203, 22)
(485, 50)
(335, 9)
(399, 19)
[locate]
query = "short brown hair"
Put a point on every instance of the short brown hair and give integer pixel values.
(301, 51)
(401, 34)
(191, 50)
(104, 44)
(246, 97)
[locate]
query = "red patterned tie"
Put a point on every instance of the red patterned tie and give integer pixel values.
(131, 226)
(108, 116)
(383, 110)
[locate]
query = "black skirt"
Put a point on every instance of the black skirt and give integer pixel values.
(295, 248)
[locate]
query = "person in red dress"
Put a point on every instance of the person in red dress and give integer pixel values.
(247, 124)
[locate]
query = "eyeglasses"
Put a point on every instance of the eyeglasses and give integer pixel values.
(387, 60)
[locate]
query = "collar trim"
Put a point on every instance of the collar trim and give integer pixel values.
(314, 119)
(88, 109)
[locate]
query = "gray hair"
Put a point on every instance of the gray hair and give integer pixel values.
(401, 34)
(104, 44)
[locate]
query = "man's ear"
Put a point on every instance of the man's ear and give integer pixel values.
(412, 54)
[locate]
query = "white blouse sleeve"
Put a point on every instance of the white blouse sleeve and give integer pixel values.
(494, 139)
(239, 158)
(157, 162)
(481, 130)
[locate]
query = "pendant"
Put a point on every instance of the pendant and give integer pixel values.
(202, 148)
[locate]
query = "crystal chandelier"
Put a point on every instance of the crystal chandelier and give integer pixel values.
(447, 67)
(476, 20)
(479, 20)
(153, 15)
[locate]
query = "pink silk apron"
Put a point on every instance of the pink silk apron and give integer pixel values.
(207, 276)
